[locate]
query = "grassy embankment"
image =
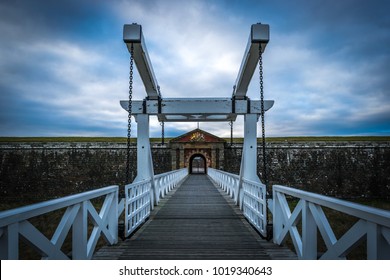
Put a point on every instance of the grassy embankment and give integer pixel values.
(235, 140)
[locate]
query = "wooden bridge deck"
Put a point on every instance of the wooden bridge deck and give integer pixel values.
(196, 221)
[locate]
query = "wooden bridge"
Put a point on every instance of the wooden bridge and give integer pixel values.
(196, 221)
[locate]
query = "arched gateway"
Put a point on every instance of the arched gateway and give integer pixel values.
(197, 147)
(197, 164)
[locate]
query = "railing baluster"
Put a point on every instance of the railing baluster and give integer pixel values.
(252, 202)
(79, 233)
(373, 225)
(15, 222)
(139, 197)
(65, 225)
(9, 242)
(309, 233)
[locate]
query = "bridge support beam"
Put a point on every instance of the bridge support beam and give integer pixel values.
(145, 169)
(248, 169)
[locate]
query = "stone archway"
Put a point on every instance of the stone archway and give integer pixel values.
(197, 164)
(197, 141)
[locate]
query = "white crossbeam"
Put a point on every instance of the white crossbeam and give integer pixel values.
(196, 109)
(132, 34)
(259, 36)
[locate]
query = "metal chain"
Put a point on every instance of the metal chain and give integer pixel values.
(129, 109)
(231, 122)
(265, 177)
(161, 123)
(162, 133)
(231, 133)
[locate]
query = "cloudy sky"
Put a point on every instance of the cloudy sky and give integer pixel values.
(64, 66)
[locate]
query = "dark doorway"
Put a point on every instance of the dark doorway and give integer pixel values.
(198, 164)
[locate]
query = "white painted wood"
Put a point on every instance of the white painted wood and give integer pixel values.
(144, 172)
(165, 182)
(347, 242)
(323, 225)
(290, 221)
(371, 227)
(113, 218)
(76, 214)
(253, 196)
(121, 206)
(226, 181)
(26, 212)
(38, 241)
(196, 109)
(79, 233)
(248, 168)
(138, 197)
(373, 241)
(386, 234)
(384, 243)
(137, 209)
(376, 215)
(101, 223)
(9, 242)
(259, 36)
(65, 225)
(132, 34)
(249, 153)
(309, 233)
(277, 224)
(254, 205)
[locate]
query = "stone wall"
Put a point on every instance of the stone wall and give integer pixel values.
(358, 169)
(32, 172)
(40, 171)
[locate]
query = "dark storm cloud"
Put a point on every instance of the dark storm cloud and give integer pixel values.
(52, 54)
(64, 63)
(44, 18)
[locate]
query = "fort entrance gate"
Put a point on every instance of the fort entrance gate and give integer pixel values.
(197, 150)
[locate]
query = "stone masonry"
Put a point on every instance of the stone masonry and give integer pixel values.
(31, 172)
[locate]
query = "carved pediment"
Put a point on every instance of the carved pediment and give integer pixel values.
(197, 135)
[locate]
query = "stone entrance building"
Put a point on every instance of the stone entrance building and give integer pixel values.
(197, 150)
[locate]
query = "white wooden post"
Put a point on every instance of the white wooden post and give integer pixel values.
(79, 233)
(309, 233)
(113, 218)
(277, 217)
(144, 155)
(248, 169)
(377, 247)
(9, 242)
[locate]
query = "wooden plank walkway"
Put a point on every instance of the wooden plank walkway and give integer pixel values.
(196, 221)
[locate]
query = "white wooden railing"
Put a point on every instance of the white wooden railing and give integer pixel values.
(79, 209)
(226, 181)
(137, 204)
(165, 182)
(252, 200)
(373, 225)
(139, 197)
(254, 205)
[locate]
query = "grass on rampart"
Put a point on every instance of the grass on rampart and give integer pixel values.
(235, 140)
